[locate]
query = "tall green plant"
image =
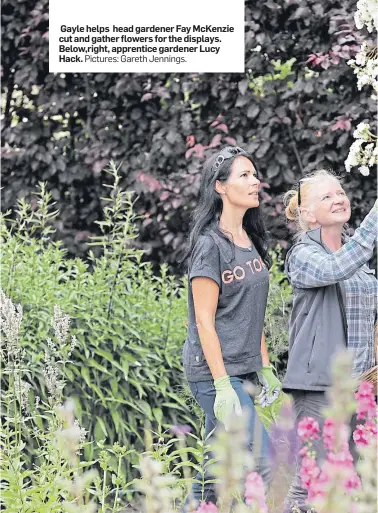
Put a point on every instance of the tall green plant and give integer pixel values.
(57, 480)
(129, 323)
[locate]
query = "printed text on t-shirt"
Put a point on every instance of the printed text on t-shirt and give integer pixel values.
(238, 272)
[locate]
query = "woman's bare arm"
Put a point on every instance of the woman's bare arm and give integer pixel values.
(205, 298)
(264, 351)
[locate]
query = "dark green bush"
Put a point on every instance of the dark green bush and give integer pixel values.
(293, 116)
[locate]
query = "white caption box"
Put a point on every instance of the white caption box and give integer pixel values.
(146, 36)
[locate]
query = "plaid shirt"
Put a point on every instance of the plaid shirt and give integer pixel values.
(315, 267)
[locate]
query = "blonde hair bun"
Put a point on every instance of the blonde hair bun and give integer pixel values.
(291, 203)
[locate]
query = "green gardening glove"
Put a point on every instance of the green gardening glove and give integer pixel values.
(226, 400)
(271, 386)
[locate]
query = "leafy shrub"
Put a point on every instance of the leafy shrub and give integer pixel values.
(129, 323)
(293, 114)
(57, 480)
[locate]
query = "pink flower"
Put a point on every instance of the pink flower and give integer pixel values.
(207, 507)
(254, 492)
(353, 482)
(338, 469)
(371, 426)
(309, 471)
(308, 428)
(365, 389)
(342, 459)
(366, 407)
(305, 451)
(361, 436)
(333, 432)
(329, 433)
(318, 487)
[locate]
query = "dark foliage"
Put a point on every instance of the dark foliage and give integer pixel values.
(292, 115)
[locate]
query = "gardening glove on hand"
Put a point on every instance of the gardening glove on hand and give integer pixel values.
(226, 400)
(271, 386)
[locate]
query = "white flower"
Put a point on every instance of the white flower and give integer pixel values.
(369, 149)
(361, 131)
(354, 155)
(358, 20)
(371, 68)
(21, 390)
(360, 59)
(10, 326)
(362, 81)
(83, 432)
(72, 346)
(61, 324)
(364, 170)
(367, 14)
(365, 68)
(356, 146)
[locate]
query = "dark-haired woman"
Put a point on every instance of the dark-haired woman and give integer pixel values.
(228, 287)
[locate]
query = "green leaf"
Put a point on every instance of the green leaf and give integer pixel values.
(158, 414)
(98, 366)
(85, 374)
(102, 425)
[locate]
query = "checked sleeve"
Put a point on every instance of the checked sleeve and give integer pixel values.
(311, 267)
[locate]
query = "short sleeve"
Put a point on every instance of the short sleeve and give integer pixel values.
(204, 261)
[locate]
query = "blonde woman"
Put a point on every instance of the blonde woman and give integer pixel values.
(334, 302)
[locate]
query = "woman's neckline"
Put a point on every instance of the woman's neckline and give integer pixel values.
(242, 248)
(249, 248)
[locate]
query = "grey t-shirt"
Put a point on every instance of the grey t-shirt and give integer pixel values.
(243, 281)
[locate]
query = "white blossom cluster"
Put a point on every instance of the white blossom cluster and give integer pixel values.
(61, 325)
(10, 326)
(54, 354)
(21, 390)
(365, 66)
(367, 14)
(82, 431)
(52, 374)
(364, 150)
